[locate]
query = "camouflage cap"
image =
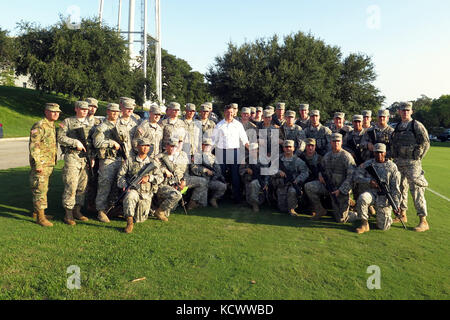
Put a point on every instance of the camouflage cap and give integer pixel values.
(205, 107)
(259, 109)
(209, 104)
(289, 143)
(245, 110)
(303, 106)
(128, 104)
(269, 108)
(406, 105)
(383, 113)
(339, 115)
(122, 99)
(92, 102)
(357, 117)
(366, 113)
(336, 137)
(314, 113)
(81, 105)
(290, 113)
(253, 146)
(190, 107)
(268, 113)
(281, 106)
(174, 105)
(144, 142)
(155, 109)
(113, 107)
(234, 105)
(173, 142)
(52, 107)
(379, 147)
(310, 141)
(252, 110)
(207, 141)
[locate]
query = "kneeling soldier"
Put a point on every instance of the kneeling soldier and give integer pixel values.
(137, 202)
(388, 172)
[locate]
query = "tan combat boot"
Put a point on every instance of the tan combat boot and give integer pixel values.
(423, 225)
(363, 228)
(77, 213)
(403, 217)
(293, 213)
(129, 227)
(68, 218)
(192, 205)
(47, 216)
(102, 216)
(319, 212)
(255, 207)
(42, 220)
(213, 202)
(160, 215)
(372, 211)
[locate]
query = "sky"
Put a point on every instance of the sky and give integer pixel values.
(408, 40)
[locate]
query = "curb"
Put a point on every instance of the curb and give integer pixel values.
(15, 139)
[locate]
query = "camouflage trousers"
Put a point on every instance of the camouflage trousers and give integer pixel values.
(136, 206)
(75, 178)
(216, 189)
(92, 186)
(412, 178)
(287, 198)
(39, 187)
(253, 193)
(315, 190)
(107, 180)
(199, 187)
(168, 198)
(383, 211)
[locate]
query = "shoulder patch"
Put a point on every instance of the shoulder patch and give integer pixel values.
(61, 125)
(34, 131)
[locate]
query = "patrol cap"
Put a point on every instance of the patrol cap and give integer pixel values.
(50, 106)
(234, 105)
(269, 108)
(253, 146)
(357, 117)
(406, 105)
(366, 113)
(174, 105)
(207, 141)
(245, 110)
(310, 141)
(383, 113)
(122, 99)
(190, 107)
(268, 113)
(290, 113)
(209, 104)
(379, 147)
(81, 105)
(289, 143)
(314, 113)
(113, 107)
(144, 142)
(339, 115)
(336, 137)
(155, 109)
(128, 104)
(92, 102)
(252, 110)
(281, 106)
(205, 107)
(259, 109)
(173, 142)
(303, 106)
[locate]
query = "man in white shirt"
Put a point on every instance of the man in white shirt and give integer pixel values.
(227, 137)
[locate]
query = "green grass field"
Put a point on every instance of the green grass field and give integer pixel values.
(230, 253)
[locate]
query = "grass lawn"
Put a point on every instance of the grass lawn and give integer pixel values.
(226, 253)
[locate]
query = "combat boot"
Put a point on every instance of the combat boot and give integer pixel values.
(192, 205)
(255, 207)
(372, 211)
(68, 218)
(402, 217)
(319, 212)
(423, 225)
(213, 202)
(77, 213)
(47, 216)
(102, 216)
(160, 215)
(293, 213)
(129, 227)
(42, 220)
(363, 228)
(351, 202)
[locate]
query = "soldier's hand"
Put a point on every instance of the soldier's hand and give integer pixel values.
(266, 188)
(182, 184)
(322, 181)
(282, 174)
(116, 145)
(374, 184)
(92, 163)
(144, 180)
(168, 174)
(80, 146)
(336, 193)
(249, 171)
(209, 172)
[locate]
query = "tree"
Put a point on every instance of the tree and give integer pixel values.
(7, 55)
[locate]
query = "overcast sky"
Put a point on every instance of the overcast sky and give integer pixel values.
(408, 40)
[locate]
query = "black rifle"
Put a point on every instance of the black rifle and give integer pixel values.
(329, 185)
(134, 183)
(81, 136)
(116, 137)
(290, 178)
(356, 150)
(384, 191)
(175, 181)
(218, 177)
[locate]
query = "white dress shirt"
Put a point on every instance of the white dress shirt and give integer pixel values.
(229, 135)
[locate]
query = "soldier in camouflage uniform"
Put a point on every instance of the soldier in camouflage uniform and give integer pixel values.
(258, 116)
(312, 160)
(211, 171)
(339, 126)
(131, 101)
(128, 123)
(410, 143)
(268, 133)
(111, 156)
(79, 157)
(150, 130)
(278, 118)
(338, 165)
(43, 154)
(388, 172)
(250, 128)
(172, 126)
(290, 178)
(379, 133)
(193, 140)
(318, 132)
(137, 202)
(303, 120)
(367, 119)
(207, 124)
(290, 131)
(353, 140)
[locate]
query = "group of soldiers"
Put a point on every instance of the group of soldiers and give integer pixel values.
(150, 166)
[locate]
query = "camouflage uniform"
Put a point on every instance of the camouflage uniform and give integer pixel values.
(388, 173)
(254, 182)
(137, 202)
(172, 128)
(322, 135)
(193, 137)
(352, 142)
(92, 186)
(344, 130)
(152, 131)
(410, 143)
(265, 137)
(43, 154)
(296, 134)
(128, 128)
(376, 135)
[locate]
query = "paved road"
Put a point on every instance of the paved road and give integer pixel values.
(13, 153)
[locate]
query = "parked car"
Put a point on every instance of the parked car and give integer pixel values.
(444, 136)
(143, 114)
(433, 138)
